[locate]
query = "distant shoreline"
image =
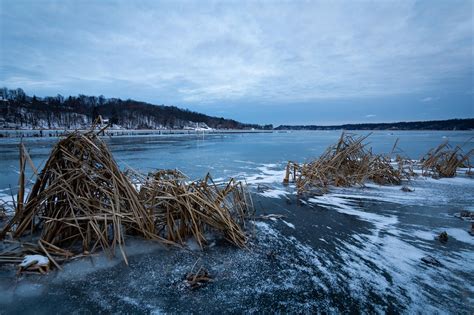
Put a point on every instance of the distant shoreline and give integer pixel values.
(45, 133)
(447, 124)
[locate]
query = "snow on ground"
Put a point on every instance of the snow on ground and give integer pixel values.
(291, 225)
(344, 205)
(268, 173)
(38, 259)
(388, 258)
(274, 193)
(365, 256)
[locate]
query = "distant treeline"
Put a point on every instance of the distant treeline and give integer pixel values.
(18, 110)
(451, 124)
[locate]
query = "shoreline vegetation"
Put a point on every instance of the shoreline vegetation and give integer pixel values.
(32, 116)
(21, 111)
(35, 133)
(447, 124)
(82, 202)
(441, 125)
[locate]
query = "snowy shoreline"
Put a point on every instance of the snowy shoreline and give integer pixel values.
(18, 133)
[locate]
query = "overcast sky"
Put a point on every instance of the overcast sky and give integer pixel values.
(298, 62)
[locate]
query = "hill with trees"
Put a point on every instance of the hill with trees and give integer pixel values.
(20, 111)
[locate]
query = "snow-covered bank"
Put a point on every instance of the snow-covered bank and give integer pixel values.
(14, 133)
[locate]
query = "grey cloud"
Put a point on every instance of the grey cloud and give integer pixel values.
(211, 52)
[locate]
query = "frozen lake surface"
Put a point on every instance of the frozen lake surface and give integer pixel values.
(354, 249)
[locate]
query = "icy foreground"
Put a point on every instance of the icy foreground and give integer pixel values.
(356, 249)
(353, 249)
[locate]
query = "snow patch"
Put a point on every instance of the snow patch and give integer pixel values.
(274, 193)
(29, 259)
(291, 225)
(268, 174)
(343, 205)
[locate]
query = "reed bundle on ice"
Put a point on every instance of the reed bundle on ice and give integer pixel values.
(82, 197)
(81, 201)
(443, 161)
(183, 209)
(347, 163)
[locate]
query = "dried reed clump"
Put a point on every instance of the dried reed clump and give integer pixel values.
(182, 209)
(406, 166)
(346, 163)
(443, 161)
(81, 200)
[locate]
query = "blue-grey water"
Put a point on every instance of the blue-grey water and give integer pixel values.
(353, 250)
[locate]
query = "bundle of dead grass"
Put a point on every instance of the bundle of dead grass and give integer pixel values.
(81, 200)
(443, 161)
(346, 163)
(182, 209)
